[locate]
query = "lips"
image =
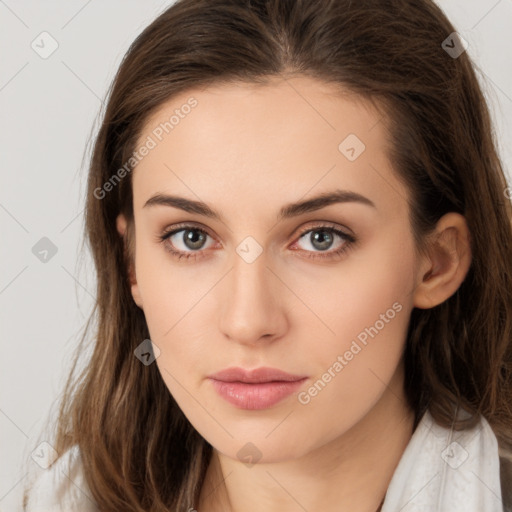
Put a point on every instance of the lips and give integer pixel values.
(260, 388)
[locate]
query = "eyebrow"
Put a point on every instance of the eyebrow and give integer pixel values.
(287, 211)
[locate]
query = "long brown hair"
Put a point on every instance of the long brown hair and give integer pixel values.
(139, 451)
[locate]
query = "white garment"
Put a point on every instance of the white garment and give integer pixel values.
(62, 487)
(440, 471)
(447, 471)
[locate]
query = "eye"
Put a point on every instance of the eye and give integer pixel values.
(185, 241)
(320, 239)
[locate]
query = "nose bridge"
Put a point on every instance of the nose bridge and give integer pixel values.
(251, 307)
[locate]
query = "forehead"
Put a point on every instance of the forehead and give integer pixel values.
(264, 142)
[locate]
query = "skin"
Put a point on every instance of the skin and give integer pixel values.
(247, 150)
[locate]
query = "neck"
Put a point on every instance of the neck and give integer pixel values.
(351, 473)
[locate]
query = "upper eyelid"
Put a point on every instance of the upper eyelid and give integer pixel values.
(183, 226)
(301, 231)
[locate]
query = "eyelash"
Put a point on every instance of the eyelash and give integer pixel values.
(349, 242)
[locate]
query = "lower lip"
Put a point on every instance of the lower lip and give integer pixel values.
(255, 396)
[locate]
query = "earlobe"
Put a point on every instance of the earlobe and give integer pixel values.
(121, 225)
(442, 273)
(136, 295)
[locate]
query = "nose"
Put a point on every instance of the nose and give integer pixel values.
(252, 308)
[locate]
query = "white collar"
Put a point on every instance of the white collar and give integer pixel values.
(443, 470)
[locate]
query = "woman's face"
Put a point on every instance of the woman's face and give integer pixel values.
(268, 274)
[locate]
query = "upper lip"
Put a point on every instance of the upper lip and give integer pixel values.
(257, 375)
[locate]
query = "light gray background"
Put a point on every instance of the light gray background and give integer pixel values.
(49, 112)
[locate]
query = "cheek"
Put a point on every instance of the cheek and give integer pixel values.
(164, 296)
(352, 295)
(377, 296)
(168, 288)
(368, 308)
(176, 299)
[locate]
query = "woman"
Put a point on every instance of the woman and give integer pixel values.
(303, 241)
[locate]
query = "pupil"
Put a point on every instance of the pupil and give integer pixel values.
(321, 239)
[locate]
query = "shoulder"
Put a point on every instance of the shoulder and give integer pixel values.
(61, 487)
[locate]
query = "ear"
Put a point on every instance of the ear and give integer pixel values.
(121, 224)
(444, 270)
